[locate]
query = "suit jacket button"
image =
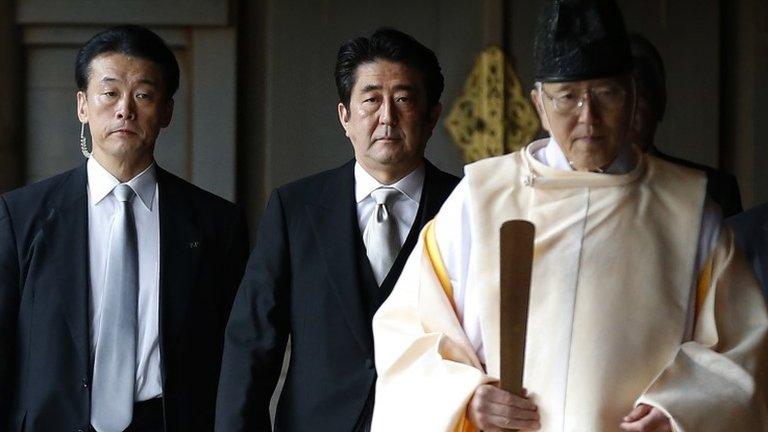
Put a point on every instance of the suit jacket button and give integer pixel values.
(81, 430)
(369, 363)
(85, 383)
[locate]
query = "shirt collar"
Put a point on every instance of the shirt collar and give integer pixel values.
(101, 183)
(410, 185)
(555, 158)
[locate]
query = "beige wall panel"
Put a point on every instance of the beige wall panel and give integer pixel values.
(213, 111)
(52, 128)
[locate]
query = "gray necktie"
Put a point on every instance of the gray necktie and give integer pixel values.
(114, 369)
(381, 237)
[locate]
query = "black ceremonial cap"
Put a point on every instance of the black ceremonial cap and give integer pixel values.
(581, 39)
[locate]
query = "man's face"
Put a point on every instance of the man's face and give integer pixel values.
(124, 105)
(591, 133)
(388, 120)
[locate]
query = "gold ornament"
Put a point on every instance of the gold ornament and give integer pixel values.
(493, 116)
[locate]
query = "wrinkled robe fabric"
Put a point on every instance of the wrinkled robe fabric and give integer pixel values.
(619, 313)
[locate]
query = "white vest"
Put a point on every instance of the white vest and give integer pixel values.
(613, 271)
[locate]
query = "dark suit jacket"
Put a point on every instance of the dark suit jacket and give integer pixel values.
(309, 277)
(45, 367)
(751, 231)
(721, 186)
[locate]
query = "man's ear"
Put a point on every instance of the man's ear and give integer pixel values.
(343, 117)
(167, 114)
(82, 107)
(536, 99)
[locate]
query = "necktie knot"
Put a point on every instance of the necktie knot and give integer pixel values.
(384, 195)
(124, 193)
(381, 236)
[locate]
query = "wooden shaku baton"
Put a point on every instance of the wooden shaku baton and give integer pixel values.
(515, 278)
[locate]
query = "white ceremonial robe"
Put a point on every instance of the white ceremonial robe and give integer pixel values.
(620, 313)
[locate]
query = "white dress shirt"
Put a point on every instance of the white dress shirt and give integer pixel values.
(101, 211)
(403, 208)
(454, 238)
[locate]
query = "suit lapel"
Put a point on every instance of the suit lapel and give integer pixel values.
(334, 222)
(432, 197)
(65, 237)
(181, 244)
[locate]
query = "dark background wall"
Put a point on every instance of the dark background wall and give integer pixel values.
(744, 117)
(11, 152)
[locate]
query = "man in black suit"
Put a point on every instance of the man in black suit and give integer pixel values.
(116, 253)
(650, 79)
(326, 255)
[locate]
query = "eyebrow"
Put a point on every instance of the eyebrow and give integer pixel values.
(371, 87)
(108, 79)
(399, 87)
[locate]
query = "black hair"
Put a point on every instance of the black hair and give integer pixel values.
(391, 45)
(649, 73)
(134, 41)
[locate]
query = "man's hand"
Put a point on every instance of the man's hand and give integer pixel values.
(491, 409)
(645, 418)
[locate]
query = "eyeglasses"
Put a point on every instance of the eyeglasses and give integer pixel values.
(607, 98)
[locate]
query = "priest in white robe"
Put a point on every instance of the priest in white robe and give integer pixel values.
(643, 315)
